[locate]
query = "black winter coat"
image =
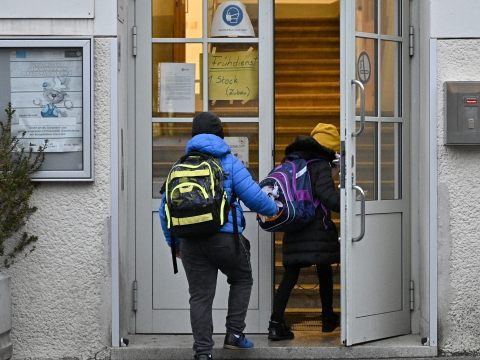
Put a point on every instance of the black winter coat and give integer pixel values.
(318, 242)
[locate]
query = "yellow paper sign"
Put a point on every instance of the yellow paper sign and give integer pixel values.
(233, 75)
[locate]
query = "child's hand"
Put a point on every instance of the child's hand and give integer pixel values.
(335, 171)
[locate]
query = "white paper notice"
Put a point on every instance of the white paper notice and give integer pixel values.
(239, 146)
(63, 134)
(176, 84)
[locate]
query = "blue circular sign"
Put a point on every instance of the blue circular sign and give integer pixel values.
(232, 15)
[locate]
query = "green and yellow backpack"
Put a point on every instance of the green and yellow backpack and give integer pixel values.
(196, 203)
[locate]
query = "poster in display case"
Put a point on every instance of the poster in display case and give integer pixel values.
(48, 83)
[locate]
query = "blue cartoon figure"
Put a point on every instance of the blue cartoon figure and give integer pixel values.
(54, 94)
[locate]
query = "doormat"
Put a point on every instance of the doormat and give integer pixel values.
(307, 325)
(304, 321)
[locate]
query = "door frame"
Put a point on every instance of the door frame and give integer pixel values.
(123, 318)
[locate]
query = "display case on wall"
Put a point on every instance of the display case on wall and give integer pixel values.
(49, 83)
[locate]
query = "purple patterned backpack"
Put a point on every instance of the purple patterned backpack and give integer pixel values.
(289, 185)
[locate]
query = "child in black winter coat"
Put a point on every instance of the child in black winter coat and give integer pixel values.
(317, 244)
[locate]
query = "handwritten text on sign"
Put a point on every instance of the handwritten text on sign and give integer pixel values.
(233, 75)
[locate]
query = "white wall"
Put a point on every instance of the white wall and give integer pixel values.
(103, 24)
(456, 27)
(61, 291)
(458, 210)
(457, 19)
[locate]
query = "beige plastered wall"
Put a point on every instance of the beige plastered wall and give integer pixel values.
(61, 292)
(458, 211)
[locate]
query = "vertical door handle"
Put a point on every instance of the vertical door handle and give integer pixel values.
(362, 107)
(362, 213)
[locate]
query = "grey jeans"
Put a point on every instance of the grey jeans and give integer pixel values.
(202, 258)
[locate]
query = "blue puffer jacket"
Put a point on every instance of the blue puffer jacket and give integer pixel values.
(237, 178)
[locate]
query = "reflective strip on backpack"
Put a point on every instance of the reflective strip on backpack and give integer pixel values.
(212, 181)
(199, 172)
(190, 185)
(222, 212)
(221, 171)
(188, 173)
(167, 213)
(192, 219)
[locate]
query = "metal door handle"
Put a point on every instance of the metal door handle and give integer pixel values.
(362, 107)
(362, 212)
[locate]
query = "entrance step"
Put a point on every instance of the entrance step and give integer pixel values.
(306, 345)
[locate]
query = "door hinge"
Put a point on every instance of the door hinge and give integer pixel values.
(412, 295)
(134, 40)
(135, 295)
(411, 41)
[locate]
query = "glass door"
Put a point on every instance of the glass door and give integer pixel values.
(375, 181)
(194, 56)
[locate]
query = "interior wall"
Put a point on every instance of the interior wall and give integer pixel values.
(292, 10)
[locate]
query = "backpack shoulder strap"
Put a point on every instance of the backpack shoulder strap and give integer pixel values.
(233, 198)
(174, 255)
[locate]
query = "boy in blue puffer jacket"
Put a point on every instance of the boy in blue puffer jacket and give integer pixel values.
(203, 257)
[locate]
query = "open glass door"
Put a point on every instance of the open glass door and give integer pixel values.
(375, 125)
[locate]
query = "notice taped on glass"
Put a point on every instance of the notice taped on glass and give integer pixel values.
(176, 84)
(233, 75)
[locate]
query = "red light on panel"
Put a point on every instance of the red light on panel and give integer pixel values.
(471, 101)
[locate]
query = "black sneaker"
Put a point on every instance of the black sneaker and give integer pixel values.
(237, 342)
(203, 357)
(330, 322)
(278, 330)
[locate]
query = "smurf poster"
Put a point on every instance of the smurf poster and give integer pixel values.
(46, 91)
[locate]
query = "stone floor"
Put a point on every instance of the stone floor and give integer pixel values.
(306, 345)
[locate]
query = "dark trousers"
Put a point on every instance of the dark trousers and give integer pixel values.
(202, 258)
(290, 278)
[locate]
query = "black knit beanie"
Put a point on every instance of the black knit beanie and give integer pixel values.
(207, 123)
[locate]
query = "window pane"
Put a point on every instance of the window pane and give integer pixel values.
(233, 79)
(176, 93)
(233, 19)
(176, 18)
(366, 60)
(169, 140)
(391, 161)
(390, 78)
(366, 16)
(390, 17)
(367, 161)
